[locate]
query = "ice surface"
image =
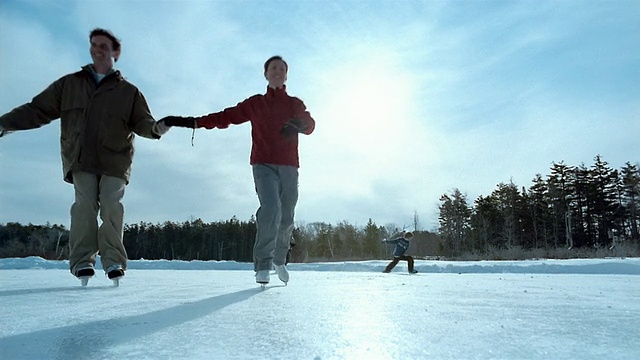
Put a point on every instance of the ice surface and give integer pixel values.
(162, 310)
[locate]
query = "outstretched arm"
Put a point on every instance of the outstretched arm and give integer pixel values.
(232, 115)
(142, 122)
(43, 108)
(221, 120)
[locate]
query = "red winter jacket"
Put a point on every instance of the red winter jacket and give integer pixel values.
(268, 113)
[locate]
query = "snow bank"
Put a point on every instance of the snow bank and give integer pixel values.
(611, 266)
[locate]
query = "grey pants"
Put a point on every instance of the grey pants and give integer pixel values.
(93, 194)
(277, 188)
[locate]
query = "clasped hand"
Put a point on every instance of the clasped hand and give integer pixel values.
(293, 127)
(179, 121)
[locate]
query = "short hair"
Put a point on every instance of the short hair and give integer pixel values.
(276, 57)
(114, 40)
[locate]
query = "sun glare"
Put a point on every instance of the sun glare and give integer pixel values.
(371, 107)
(368, 120)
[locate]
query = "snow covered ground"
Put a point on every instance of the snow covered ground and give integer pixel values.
(544, 309)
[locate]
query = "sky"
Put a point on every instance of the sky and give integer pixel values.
(411, 99)
(544, 309)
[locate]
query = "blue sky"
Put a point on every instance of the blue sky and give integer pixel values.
(412, 99)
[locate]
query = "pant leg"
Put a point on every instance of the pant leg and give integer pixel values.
(287, 259)
(83, 234)
(268, 216)
(288, 201)
(409, 261)
(110, 233)
(392, 264)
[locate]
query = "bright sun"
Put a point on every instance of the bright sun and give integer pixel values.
(371, 106)
(367, 127)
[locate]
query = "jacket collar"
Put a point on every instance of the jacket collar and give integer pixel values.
(276, 92)
(113, 72)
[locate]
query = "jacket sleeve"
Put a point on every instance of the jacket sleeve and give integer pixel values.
(43, 108)
(233, 115)
(141, 121)
(301, 112)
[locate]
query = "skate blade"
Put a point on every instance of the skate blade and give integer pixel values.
(84, 280)
(116, 281)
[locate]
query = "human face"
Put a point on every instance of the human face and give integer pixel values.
(276, 74)
(102, 53)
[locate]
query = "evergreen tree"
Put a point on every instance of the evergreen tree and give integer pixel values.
(322, 246)
(561, 195)
(539, 210)
(508, 197)
(455, 218)
(631, 201)
(583, 227)
(371, 241)
(603, 201)
(485, 223)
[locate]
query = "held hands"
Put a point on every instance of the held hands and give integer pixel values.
(160, 128)
(179, 121)
(292, 127)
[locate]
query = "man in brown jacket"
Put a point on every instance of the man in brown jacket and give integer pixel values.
(99, 114)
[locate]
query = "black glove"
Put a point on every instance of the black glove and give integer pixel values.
(179, 121)
(292, 127)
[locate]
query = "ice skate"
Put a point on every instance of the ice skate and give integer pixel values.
(115, 273)
(283, 273)
(84, 275)
(413, 271)
(262, 277)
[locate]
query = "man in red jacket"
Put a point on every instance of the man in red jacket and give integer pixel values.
(276, 120)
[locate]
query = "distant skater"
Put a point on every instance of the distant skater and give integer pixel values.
(402, 244)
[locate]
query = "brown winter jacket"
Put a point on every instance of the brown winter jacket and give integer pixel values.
(97, 122)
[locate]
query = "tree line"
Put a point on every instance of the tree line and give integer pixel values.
(575, 207)
(559, 216)
(224, 240)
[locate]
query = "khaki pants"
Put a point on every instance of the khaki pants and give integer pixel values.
(277, 188)
(97, 194)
